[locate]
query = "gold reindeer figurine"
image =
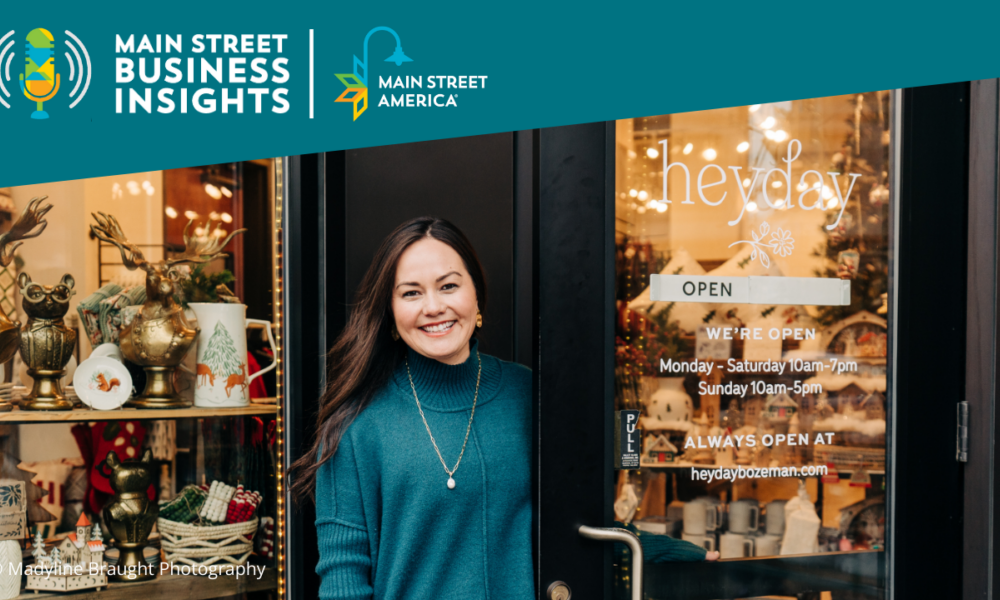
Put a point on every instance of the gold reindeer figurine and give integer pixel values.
(160, 336)
(30, 224)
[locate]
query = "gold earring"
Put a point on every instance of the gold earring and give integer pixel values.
(395, 334)
(479, 319)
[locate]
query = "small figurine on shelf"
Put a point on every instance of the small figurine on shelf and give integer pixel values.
(659, 450)
(46, 343)
(77, 563)
(38, 546)
(130, 515)
(160, 336)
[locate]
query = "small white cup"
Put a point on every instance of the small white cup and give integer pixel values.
(734, 545)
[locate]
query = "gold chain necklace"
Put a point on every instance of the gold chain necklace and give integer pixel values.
(475, 399)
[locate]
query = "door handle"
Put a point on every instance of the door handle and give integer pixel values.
(617, 534)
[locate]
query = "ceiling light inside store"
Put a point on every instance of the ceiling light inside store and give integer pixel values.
(661, 207)
(652, 153)
(213, 191)
(710, 154)
(746, 182)
(743, 147)
(767, 123)
(190, 214)
(633, 193)
(643, 195)
(752, 206)
(776, 184)
(827, 193)
(225, 192)
(688, 148)
(150, 190)
(754, 108)
(779, 203)
(631, 154)
(641, 210)
(832, 203)
(133, 188)
(769, 134)
(171, 212)
(652, 204)
(802, 187)
(780, 135)
(227, 218)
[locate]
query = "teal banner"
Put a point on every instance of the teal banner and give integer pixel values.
(91, 89)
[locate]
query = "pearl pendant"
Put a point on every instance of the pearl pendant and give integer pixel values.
(451, 483)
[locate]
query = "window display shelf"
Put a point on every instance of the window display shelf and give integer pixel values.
(131, 414)
(855, 573)
(169, 586)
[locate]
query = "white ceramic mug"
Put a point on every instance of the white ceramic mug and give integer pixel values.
(744, 516)
(774, 517)
(222, 378)
(705, 541)
(767, 545)
(700, 517)
(734, 545)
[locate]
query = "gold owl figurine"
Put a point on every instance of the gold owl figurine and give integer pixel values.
(46, 343)
(160, 336)
(30, 224)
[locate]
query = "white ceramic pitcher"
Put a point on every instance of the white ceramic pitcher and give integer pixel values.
(222, 379)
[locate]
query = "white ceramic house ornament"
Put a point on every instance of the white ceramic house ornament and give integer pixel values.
(78, 561)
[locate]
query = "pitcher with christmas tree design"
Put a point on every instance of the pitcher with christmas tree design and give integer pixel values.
(223, 380)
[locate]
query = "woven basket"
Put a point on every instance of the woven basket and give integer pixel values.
(220, 544)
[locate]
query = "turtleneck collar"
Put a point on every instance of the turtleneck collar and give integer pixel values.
(448, 388)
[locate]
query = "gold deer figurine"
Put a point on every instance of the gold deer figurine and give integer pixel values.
(160, 336)
(30, 224)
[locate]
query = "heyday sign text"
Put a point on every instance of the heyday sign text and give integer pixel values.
(814, 180)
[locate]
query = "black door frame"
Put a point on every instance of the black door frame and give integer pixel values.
(980, 560)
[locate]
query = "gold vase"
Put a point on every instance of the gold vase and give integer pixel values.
(46, 343)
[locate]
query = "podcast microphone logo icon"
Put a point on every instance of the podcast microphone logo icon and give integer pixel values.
(39, 82)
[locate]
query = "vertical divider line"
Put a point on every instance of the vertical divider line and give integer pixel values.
(312, 86)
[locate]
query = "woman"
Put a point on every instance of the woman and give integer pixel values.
(421, 464)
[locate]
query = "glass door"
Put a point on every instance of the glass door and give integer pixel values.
(749, 412)
(752, 250)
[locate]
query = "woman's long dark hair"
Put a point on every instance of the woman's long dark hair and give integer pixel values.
(365, 355)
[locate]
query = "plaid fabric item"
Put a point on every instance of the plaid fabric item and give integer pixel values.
(110, 320)
(90, 312)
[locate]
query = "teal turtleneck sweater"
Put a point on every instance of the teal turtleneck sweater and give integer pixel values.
(389, 527)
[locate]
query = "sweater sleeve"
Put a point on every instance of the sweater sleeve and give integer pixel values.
(344, 553)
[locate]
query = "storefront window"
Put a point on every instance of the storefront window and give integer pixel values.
(154, 427)
(753, 252)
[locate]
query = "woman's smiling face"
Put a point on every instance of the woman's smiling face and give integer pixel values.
(434, 301)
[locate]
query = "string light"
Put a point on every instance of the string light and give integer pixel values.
(279, 288)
